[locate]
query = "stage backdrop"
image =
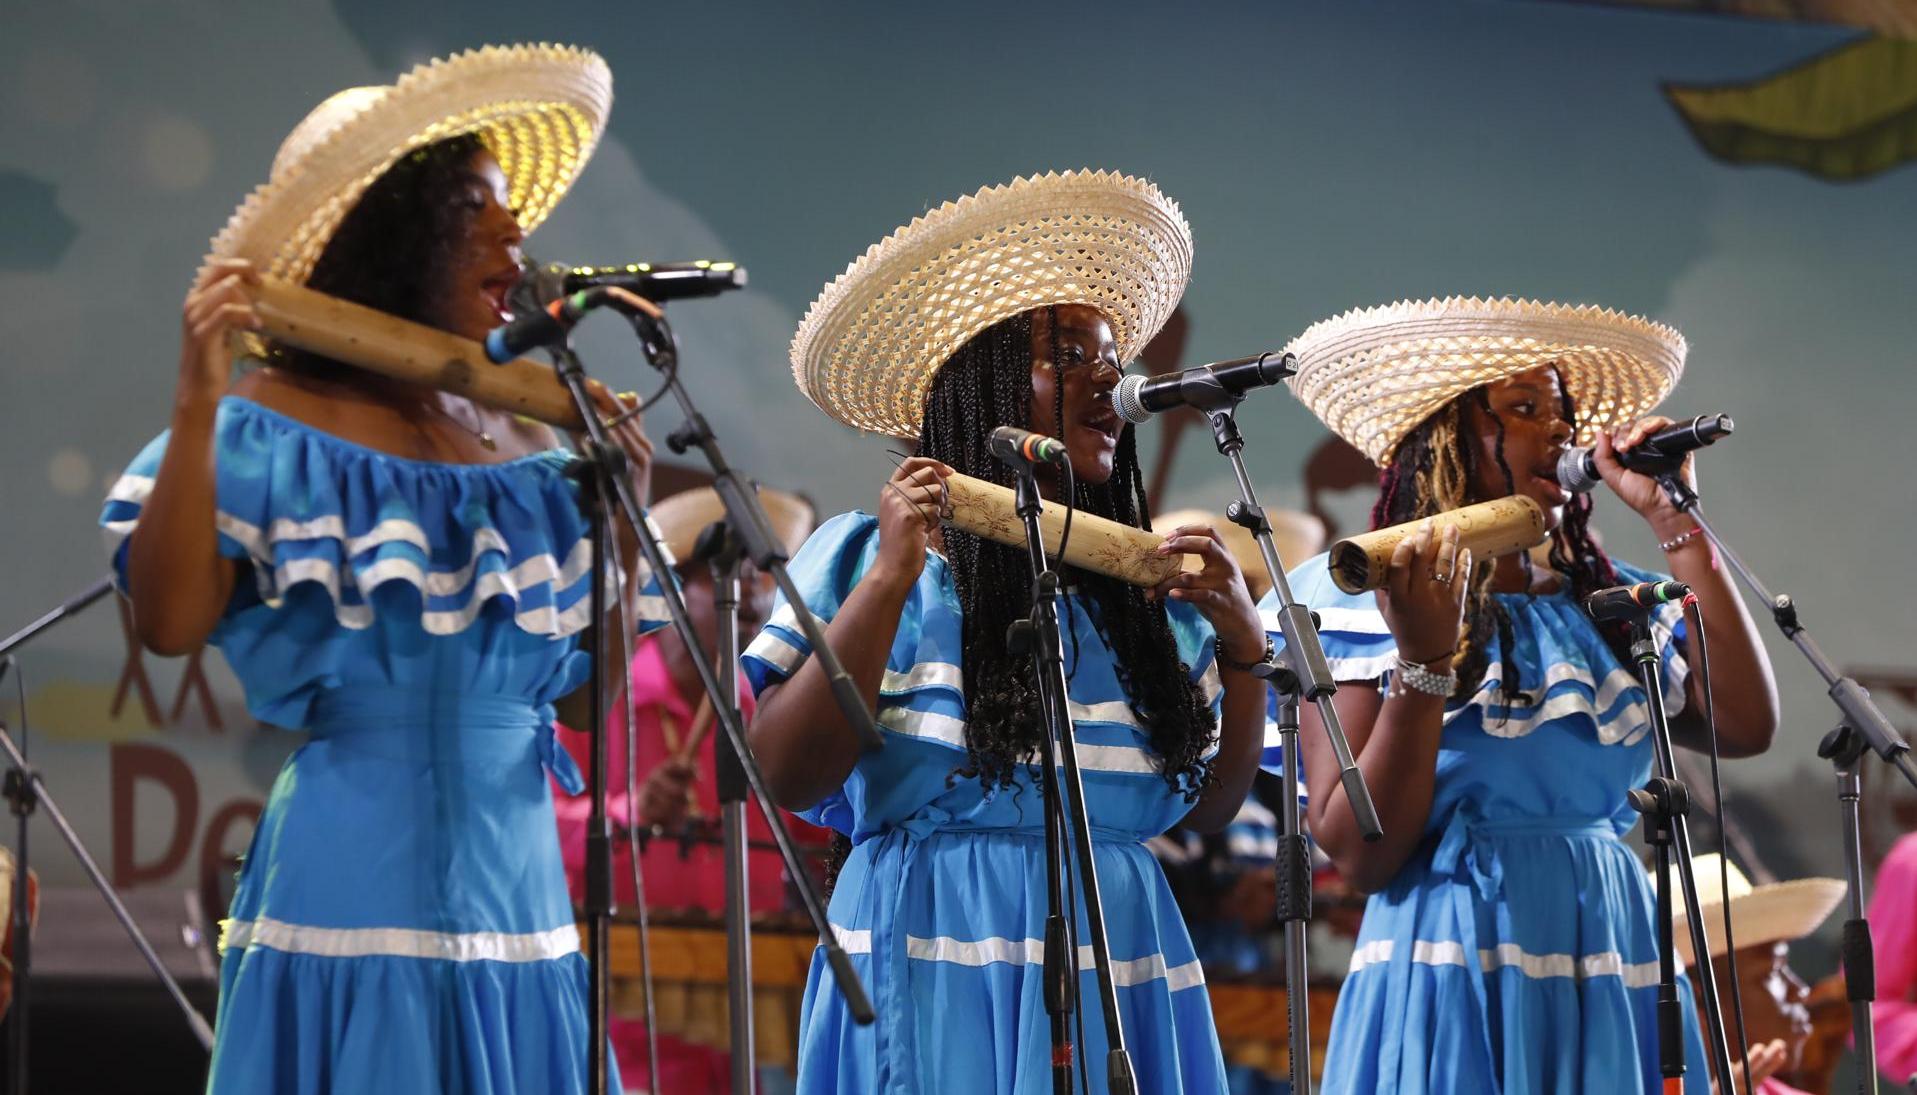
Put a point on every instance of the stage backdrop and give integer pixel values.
(1328, 156)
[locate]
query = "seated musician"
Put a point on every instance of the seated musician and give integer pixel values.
(1765, 921)
(678, 803)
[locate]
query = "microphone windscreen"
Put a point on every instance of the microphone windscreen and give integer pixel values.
(1126, 401)
(1577, 472)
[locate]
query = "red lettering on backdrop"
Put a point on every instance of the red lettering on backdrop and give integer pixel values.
(130, 764)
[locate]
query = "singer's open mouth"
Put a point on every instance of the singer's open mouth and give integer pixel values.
(1104, 421)
(496, 289)
(1553, 490)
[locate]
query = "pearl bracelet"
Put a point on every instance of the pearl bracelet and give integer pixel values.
(1419, 679)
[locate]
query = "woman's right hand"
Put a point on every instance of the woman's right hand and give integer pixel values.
(1423, 596)
(216, 306)
(910, 509)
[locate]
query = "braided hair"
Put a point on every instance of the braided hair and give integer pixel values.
(1430, 472)
(987, 384)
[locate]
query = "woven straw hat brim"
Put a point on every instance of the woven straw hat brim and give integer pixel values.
(681, 517)
(540, 109)
(1372, 375)
(871, 343)
(1776, 913)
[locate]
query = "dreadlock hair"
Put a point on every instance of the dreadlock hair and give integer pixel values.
(1430, 472)
(987, 384)
(388, 248)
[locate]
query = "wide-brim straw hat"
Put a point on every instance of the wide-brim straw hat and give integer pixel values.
(1372, 375)
(1297, 536)
(680, 518)
(869, 346)
(539, 109)
(1777, 912)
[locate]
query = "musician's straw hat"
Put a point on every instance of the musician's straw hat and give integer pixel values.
(680, 518)
(1373, 374)
(870, 344)
(1772, 913)
(539, 109)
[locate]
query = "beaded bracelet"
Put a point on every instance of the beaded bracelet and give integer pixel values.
(1680, 540)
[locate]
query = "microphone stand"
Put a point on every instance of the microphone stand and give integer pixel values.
(25, 791)
(1305, 675)
(1862, 726)
(730, 783)
(1294, 882)
(1665, 802)
(1042, 637)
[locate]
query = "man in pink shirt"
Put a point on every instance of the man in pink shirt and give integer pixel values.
(1893, 933)
(678, 803)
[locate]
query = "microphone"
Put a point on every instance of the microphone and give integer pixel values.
(541, 325)
(656, 281)
(1628, 602)
(1660, 453)
(1137, 398)
(1023, 448)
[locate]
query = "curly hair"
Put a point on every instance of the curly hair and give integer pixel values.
(392, 248)
(1431, 472)
(987, 384)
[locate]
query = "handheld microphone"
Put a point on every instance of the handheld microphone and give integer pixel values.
(1023, 448)
(1627, 602)
(1137, 398)
(1662, 452)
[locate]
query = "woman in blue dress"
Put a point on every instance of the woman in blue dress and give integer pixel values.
(942, 899)
(403, 575)
(1509, 944)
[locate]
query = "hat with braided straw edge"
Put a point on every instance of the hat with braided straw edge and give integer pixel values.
(871, 343)
(1777, 912)
(539, 109)
(1372, 375)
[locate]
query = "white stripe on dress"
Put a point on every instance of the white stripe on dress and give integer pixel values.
(399, 942)
(1028, 952)
(1425, 952)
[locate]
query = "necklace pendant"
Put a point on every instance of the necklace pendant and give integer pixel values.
(486, 439)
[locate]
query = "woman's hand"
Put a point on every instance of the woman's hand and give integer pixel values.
(1637, 490)
(629, 434)
(1423, 596)
(1217, 590)
(216, 306)
(910, 508)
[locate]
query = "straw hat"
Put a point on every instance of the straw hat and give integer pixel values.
(1372, 375)
(1773, 913)
(539, 109)
(870, 344)
(680, 518)
(1297, 536)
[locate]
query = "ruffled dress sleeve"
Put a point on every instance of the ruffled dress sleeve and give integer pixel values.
(824, 570)
(343, 547)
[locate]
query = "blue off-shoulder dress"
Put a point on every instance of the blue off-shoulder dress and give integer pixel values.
(1516, 950)
(401, 922)
(942, 902)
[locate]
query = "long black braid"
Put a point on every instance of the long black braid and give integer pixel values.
(1430, 472)
(987, 384)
